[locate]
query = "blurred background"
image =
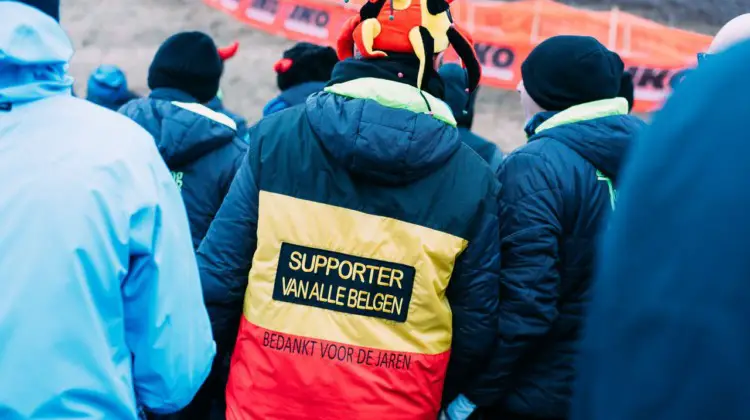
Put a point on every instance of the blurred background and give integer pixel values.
(127, 33)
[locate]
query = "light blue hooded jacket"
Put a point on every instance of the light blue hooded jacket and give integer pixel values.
(101, 312)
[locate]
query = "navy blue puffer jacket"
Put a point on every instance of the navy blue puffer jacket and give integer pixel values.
(200, 147)
(557, 191)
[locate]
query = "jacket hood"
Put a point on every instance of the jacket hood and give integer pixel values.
(34, 53)
(601, 132)
(461, 102)
(184, 130)
(298, 94)
(383, 130)
(108, 85)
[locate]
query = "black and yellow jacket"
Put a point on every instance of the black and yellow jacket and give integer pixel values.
(362, 237)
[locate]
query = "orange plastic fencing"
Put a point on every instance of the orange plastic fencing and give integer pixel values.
(504, 33)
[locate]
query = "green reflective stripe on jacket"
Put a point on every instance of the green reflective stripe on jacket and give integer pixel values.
(585, 112)
(610, 186)
(395, 95)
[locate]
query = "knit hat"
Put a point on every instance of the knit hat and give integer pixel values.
(303, 63)
(627, 89)
(423, 28)
(50, 7)
(566, 70)
(190, 62)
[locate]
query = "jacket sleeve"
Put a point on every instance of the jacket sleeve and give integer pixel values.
(473, 296)
(530, 226)
(226, 253)
(166, 325)
(231, 169)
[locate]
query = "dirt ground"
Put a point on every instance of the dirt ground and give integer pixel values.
(128, 32)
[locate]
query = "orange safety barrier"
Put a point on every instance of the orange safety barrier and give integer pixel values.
(504, 33)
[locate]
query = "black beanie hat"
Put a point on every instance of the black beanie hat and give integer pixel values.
(627, 89)
(566, 70)
(190, 62)
(50, 7)
(303, 63)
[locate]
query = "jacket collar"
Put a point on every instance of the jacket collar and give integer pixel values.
(584, 112)
(400, 68)
(395, 95)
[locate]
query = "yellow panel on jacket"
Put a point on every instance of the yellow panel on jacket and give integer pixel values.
(341, 275)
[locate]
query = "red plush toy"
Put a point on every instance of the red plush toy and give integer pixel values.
(421, 27)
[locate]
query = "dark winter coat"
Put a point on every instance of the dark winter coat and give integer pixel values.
(558, 191)
(217, 105)
(367, 150)
(199, 146)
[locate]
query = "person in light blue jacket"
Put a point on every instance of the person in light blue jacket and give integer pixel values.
(101, 311)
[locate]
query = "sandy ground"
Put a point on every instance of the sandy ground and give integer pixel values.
(128, 32)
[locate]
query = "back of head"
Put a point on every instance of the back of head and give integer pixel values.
(303, 63)
(108, 86)
(457, 94)
(565, 71)
(50, 7)
(190, 62)
(387, 81)
(35, 51)
(734, 32)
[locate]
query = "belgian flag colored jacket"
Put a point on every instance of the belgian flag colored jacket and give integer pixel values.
(362, 237)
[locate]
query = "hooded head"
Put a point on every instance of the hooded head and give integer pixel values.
(304, 63)
(734, 32)
(107, 86)
(457, 95)
(50, 7)
(422, 28)
(565, 71)
(34, 55)
(189, 62)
